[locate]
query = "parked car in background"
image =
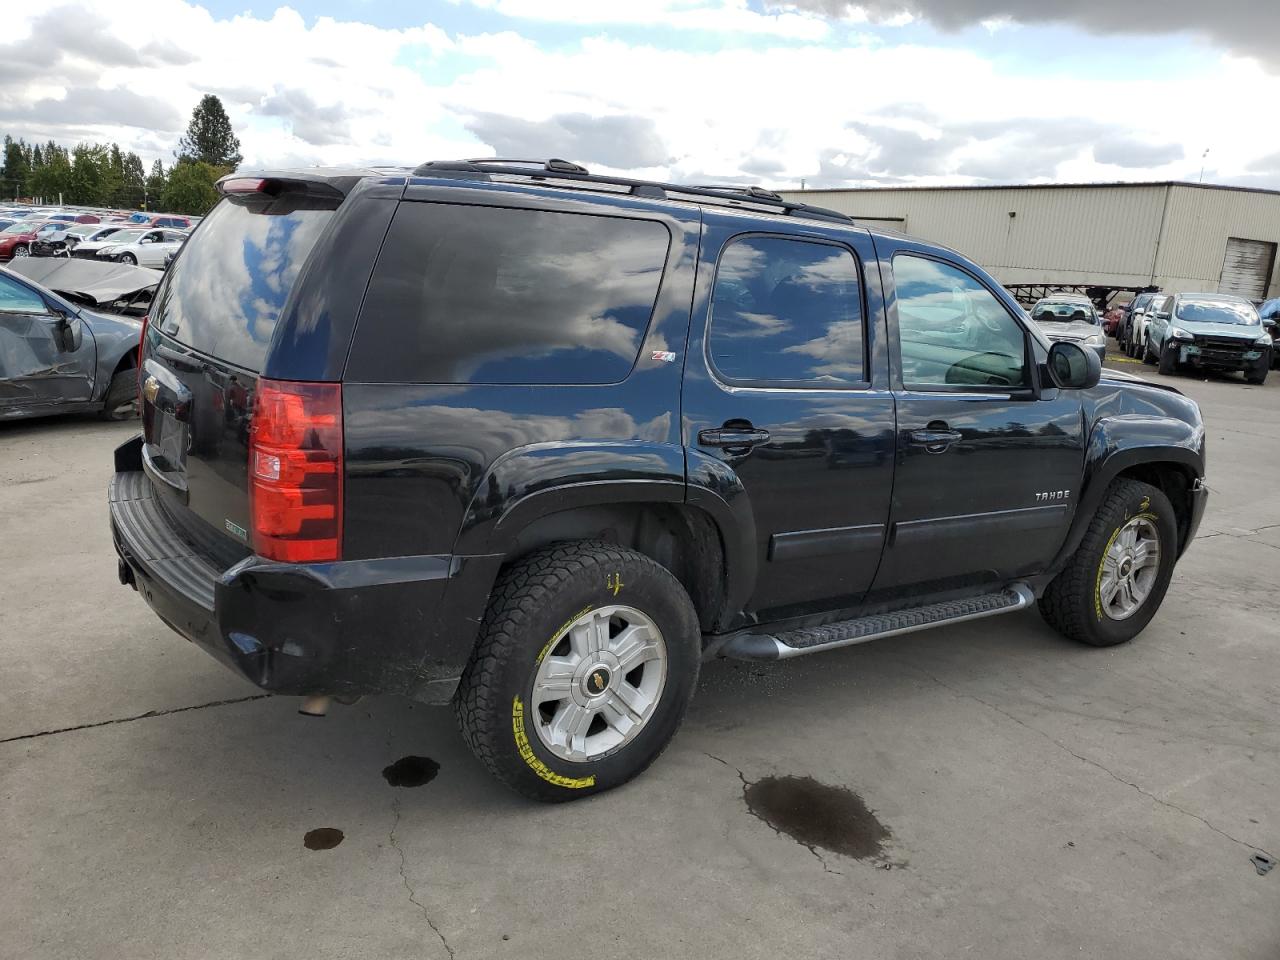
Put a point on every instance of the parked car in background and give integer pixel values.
(57, 357)
(1071, 316)
(493, 476)
(1111, 320)
(64, 242)
(1270, 314)
(1133, 328)
(1213, 331)
(147, 250)
(122, 233)
(15, 241)
(173, 221)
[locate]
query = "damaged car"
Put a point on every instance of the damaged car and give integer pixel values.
(59, 356)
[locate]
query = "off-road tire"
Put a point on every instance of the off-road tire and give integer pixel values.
(1168, 360)
(122, 389)
(1071, 603)
(532, 604)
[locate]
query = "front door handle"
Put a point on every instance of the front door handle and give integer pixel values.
(935, 439)
(731, 438)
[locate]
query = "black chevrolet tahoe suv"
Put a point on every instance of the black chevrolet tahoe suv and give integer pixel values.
(538, 442)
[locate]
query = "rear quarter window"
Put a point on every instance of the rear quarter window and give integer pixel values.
(473, 294)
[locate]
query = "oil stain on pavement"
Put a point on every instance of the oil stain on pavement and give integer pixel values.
(322, 838)
(817, 815)
(411, 772)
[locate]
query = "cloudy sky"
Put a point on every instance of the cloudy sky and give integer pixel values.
(825, 91)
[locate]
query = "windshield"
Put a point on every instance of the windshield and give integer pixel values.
(126, 236)
(1218, 311)
(1064, 312)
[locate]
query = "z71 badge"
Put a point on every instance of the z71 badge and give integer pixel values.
(1053, 495)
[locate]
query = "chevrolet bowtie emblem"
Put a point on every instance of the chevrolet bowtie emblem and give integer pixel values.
(150, 388)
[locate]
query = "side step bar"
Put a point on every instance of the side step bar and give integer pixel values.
(795, 643)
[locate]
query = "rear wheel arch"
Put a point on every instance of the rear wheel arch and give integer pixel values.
(684, 540)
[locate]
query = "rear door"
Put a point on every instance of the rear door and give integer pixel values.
(210, 328)
(786, 383)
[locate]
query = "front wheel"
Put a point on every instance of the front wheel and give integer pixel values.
(129, 258)
(1116, 580)
(1148, 355)
(1257, 376)
(1168, 359)
(21, 250)
(587, 659)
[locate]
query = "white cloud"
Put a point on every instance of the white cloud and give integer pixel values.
(786, 100)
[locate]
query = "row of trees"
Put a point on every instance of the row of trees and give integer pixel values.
(102, 175)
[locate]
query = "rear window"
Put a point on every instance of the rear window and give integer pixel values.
(224, 295)
(469, 294)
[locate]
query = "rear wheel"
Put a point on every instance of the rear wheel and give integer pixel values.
(587, 658)
(1116, 580)
(122, 395)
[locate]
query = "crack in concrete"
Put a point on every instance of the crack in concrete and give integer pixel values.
(413, 894)
(1093, 763)
(746, 783)
(140, 716)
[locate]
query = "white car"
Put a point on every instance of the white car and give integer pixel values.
(147, 249)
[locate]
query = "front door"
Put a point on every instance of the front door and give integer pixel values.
(786, 383)
(35, 369)
(988, 470)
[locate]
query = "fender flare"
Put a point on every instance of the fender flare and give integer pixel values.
(1118, 443)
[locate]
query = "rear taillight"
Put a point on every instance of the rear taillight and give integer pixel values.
(295, 471)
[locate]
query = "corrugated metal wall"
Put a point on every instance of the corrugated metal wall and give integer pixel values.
(1198, 226)
(1103, 234)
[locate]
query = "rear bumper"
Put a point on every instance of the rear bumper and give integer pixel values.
(348, 628)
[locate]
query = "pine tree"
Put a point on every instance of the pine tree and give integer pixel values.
(209, 138)
(155, 184)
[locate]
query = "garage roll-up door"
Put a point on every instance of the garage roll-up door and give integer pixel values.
(1247, 267)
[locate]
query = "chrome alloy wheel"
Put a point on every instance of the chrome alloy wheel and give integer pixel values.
(1129, 568)
(599, 683)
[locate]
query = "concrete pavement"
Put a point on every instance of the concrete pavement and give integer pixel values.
(1041, 799)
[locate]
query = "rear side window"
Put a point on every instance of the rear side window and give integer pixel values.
(224, 295)
(469, 294)
(787, 312)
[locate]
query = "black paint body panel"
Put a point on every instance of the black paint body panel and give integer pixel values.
(838, 511)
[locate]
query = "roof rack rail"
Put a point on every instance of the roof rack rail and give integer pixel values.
(574, 176)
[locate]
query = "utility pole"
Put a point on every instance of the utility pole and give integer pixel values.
(1202, 159)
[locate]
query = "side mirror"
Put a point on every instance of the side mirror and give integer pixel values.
(68, 332)
(1270, 323)
(1072, 367)
(1163, 315)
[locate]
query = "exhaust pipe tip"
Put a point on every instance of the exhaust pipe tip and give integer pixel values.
(316, 705)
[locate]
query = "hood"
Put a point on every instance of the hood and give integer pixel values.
(86, 280)
(1069, 331)
(1234, 330)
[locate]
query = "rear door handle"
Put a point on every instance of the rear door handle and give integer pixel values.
(730, 438)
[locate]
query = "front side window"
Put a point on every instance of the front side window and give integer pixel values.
(952, 329)
(787, 312)
(15, 298)
(474, 294)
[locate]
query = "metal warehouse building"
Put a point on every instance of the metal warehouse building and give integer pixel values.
(1108, 237)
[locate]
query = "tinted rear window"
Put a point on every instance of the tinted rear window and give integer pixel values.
(224, 295)
(467, 294)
